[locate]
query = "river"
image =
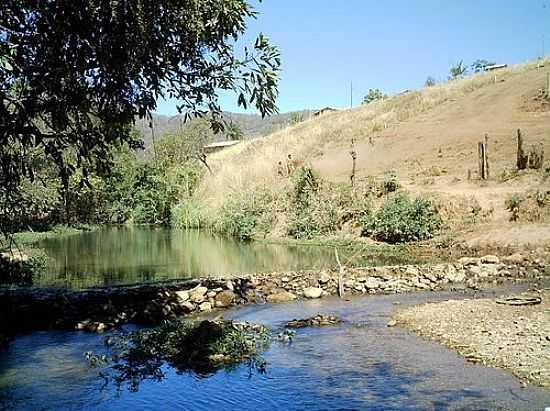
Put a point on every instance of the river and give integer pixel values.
(357, 365)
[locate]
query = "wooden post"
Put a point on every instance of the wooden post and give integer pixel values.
(486, 156)
(480, 159)
(353, 155)
(548, 84)
(521, 162)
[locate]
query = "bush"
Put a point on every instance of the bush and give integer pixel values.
(188, 214)
(374, 95)
(512, 205)
(246, 215)
(391, 183)
(20, 267)
(401, 219)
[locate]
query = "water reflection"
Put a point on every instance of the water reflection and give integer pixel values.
(128, 255)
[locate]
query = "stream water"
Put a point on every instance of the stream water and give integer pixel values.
(139, 254)
(357, 365)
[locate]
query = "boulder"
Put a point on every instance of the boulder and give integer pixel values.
(313, 292)
(206, 306)
(182, 295)
(324, 278)
(454, 275)
(372, 283)
(465, 261)
(197, 295)
(188, 306)
(280, 297)
(225, 298)
(516, 258)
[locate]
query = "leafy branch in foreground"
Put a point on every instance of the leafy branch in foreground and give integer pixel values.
(201, 347)
(74, 75)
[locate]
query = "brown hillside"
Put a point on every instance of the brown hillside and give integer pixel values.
(429, 139)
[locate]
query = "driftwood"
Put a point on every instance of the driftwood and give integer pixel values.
(519, 300)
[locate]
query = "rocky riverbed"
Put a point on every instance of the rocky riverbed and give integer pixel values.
(98, 309)
(496, 332)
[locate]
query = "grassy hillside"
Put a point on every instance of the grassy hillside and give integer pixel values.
(427, 138)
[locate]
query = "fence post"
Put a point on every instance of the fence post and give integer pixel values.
(486, 156)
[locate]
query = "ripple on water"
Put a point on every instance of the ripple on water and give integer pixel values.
(359, 364)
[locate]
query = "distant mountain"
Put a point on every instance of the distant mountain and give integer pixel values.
(252, 125)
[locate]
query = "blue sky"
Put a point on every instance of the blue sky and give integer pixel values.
(392, 45)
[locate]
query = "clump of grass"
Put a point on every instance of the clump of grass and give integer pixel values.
(513, 206)
(189, 213)
(401, 219)
(201, 347)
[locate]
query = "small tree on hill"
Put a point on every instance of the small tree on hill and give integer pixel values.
(458, 70)
(480, 64)
(373, 95)
(430, 82)
(233, 132)
(296, 118)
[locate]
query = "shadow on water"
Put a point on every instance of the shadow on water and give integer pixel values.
(356, 365)
(139, 254)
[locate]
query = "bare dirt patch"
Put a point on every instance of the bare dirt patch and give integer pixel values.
(515, 337)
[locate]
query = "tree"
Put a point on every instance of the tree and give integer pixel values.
(233, 132)
(296, 118)
(457, 71)
(74, 75)
(480, 64)
(373, 95)
(430, 82)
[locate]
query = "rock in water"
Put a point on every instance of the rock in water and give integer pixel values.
(280, 297)
(313, 292)
(225, 299)
(319, 320)
(182, 295)
(197, 295)
(206, 306)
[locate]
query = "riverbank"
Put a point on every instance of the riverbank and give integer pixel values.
(490, 332)
(99, 309)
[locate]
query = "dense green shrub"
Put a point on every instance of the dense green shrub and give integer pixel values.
(401, 219)
(246, 215)
(189, 213)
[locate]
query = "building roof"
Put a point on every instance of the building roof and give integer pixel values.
(220, 144)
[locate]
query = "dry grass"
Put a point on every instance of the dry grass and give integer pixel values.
(254, 163)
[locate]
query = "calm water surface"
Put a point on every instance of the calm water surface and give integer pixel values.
(131, 255)
(358, 365)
